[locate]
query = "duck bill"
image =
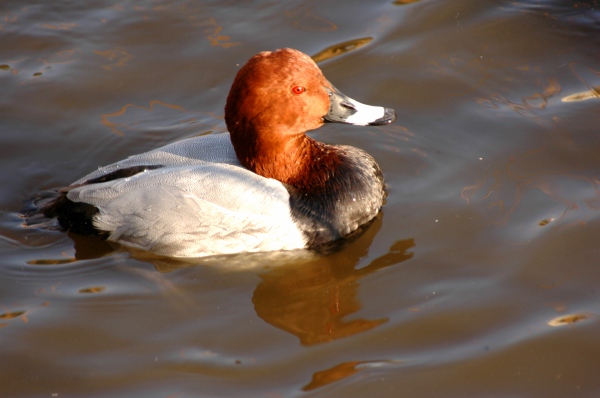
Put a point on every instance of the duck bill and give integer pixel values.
(343, 109)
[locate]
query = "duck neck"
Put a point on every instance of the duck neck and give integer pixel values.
(297, 160)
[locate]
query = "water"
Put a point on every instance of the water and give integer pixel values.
(479, 278)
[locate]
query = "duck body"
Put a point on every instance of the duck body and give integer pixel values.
(264, 186)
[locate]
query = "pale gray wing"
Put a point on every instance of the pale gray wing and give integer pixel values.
(214, 148)
(204, 209)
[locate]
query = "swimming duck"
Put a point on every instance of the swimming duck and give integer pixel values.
(263, 186)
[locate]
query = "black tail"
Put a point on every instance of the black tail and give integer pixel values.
(51, 206)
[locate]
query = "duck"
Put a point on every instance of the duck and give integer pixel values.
(263, 186)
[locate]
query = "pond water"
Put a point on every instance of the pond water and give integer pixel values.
(480, 277)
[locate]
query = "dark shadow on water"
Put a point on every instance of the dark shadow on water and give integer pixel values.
(87, 248)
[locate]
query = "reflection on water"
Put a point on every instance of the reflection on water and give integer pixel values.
(340, 49)
(342, 371)
(492, 168)
(313, 301)
(311, 297)
(565, 193)
(116, 57)
(133, 115)
(308, 295)
(304, 17)
(11, 315)
(568, 319)
(593, 93)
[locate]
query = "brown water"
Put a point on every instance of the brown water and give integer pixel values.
(479, 279)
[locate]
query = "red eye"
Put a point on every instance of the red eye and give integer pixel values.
(298, 89)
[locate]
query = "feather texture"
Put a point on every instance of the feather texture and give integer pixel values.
(200, 202)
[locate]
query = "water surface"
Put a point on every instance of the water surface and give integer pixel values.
(479, 277)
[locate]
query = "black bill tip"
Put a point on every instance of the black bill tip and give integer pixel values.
(389, 115)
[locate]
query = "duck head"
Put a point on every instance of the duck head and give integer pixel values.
(276, 97)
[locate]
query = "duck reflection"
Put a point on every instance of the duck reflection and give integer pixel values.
(313, 300)
(308, 295)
